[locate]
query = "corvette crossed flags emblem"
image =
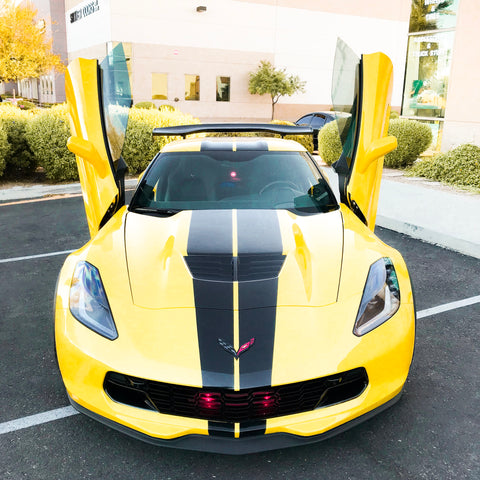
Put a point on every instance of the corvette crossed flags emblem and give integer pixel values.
(236, 353)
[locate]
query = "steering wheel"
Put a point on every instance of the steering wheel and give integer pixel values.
(288, 184)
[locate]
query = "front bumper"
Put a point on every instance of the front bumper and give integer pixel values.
(327, 347)
(235, 446)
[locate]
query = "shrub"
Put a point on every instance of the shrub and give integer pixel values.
(25, 105)
(4, 149)
(147, 105)
(19, 158)
(140, 146)
(305, 140)
(394, 115)
(329, 144)
(47, 135)
(167, 108)
(460, 166)
(413, 138)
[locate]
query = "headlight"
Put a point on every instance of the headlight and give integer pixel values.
(88, 301)
(381, 297)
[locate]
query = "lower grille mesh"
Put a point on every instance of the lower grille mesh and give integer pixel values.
(227, 405)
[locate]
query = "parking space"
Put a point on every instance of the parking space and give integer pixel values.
(431, 433)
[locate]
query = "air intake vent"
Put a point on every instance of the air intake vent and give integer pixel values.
(226, 405)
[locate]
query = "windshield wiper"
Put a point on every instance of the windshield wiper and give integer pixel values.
(161, 212)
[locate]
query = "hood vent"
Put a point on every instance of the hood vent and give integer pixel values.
(244, 268)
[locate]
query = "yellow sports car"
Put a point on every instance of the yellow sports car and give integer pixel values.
(234, 305)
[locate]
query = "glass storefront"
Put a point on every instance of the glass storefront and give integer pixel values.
(426, 77)
(430, 48)
(433, 15)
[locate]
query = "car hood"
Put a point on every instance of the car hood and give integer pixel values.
(198, 258)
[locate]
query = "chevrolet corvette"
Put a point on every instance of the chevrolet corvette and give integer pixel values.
(235, 305)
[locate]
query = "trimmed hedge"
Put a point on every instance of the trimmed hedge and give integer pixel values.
(19, 158)
(47, 134)
(25, 105)
(460, 166)
(147, 105)
(140, 146)
(167, 108)
(329, 144)
(305, 140)
(4, 149)
(413, 139)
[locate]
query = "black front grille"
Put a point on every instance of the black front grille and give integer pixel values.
(227, 405)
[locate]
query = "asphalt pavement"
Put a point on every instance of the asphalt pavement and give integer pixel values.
(431, 433)
(422, 209)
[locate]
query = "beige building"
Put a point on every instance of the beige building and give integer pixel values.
(196, 54)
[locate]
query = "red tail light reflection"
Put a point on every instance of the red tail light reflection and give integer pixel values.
(209, 401)
(264, 402)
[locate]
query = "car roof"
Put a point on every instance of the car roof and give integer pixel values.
(231, 143)
(331, 114)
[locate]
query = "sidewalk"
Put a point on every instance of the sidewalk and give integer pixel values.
(428, 211)
(421, 209)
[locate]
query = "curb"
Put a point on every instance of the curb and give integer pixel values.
(430, 236)
(39, 191)
(434, 216)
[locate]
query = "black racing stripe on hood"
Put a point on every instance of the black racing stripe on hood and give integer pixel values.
(211, 233)
(259, 234)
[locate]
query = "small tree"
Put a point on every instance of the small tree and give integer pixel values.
(275, 82)
(24, 49)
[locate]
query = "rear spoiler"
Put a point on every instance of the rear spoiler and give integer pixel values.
(184, 130)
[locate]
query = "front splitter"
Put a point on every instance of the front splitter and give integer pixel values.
(235, 446)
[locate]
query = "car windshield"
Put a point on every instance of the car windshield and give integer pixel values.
(233, 180)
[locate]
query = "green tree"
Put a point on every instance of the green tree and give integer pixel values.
(25, 51)
(275, 82)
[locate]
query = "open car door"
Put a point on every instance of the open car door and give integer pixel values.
(98, 99)
(361, 93)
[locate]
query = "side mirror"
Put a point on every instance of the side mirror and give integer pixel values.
(377, 149)
(86, 150)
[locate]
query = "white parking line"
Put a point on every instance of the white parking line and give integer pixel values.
(37, 419)
(29, 257)
(448, 306)
(59, 413)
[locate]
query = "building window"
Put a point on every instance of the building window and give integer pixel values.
(192, 87)
(223, 89)
(433, 15)
(159, 86)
